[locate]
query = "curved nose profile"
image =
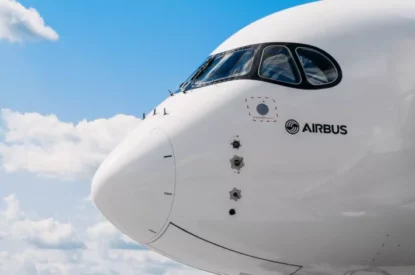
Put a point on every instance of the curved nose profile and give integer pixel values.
(134, 187)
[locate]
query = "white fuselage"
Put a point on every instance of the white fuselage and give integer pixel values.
(333, 193)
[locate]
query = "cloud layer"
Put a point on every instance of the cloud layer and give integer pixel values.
(44, 234)
(44, 145)
(105, 232)
(46, 246)
(18, 23)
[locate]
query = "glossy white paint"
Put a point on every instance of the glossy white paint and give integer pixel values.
(312, 203)
(131, 191)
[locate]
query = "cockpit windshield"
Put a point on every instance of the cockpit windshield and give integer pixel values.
(269, 62)
(230, 64)
(222, 66)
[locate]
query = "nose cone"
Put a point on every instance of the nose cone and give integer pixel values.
(134, 187)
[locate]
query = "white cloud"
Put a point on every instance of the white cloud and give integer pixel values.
(44, 234)
(12, 211)
(105, 232)
(97, 257)
(19, 23)
(44, 145)
(50, 234)
(102, 230)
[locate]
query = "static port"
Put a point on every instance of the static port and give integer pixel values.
(235, 194)
(232, 212)
(237, 162)
(236, 144)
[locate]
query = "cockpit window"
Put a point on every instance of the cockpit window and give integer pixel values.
(278, 64)
(287, 64)
(231, 64)
(319, 70)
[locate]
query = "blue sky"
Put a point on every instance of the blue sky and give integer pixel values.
(71, 88)
(118, 57)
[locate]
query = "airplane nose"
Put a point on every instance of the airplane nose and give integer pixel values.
(134, 186)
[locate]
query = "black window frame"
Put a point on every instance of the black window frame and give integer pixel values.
(254, 72)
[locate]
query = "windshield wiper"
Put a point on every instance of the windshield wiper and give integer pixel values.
(184, 83)
(181, 86)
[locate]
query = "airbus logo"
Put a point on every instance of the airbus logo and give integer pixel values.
(293, 127)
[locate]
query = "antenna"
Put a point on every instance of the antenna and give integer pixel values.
(171, 94)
